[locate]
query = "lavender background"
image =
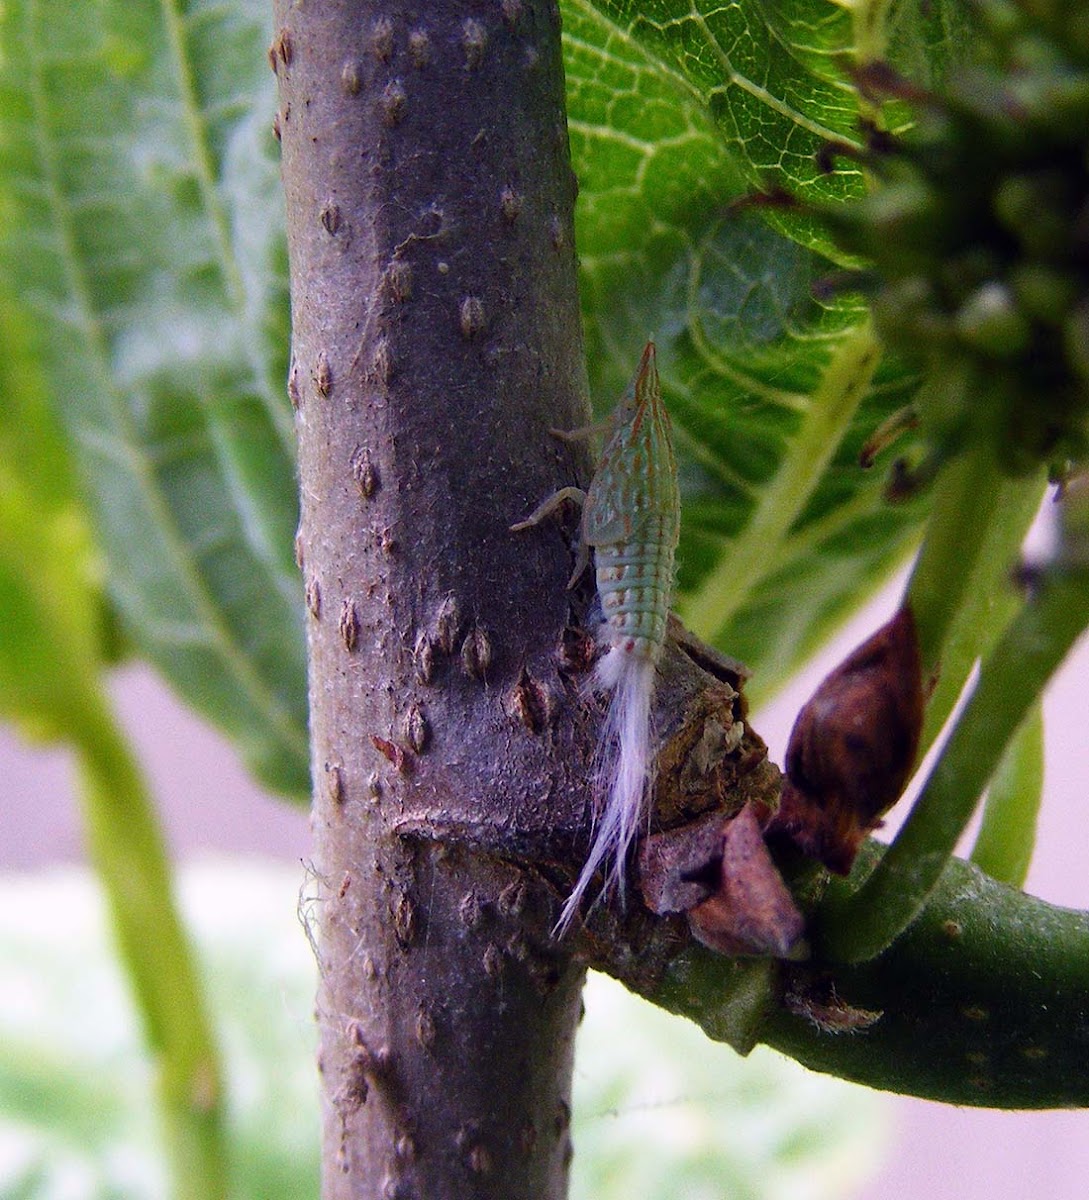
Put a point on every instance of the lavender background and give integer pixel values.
(210, 805)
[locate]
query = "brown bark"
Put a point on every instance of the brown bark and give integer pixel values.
(436, 338)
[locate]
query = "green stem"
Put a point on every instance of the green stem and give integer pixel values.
(856, 927)
(126, 846)
(844, 383)
(1003, 847)
(989, 599)
(981, 1002)
(965, 505)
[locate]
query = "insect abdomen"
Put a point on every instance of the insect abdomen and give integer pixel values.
(635, 583)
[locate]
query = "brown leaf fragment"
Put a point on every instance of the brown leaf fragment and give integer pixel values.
(528, 702)
(853, 747)
(704, 756)
(707, 755)
(713, 661)
(721, 874)
(752, 910)
(678, 869)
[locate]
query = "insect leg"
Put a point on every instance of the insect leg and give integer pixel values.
(575, 494)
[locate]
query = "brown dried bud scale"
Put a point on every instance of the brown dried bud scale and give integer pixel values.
(474, 40)
(365, 473)
(392, 103)
(419, 47)
(283, 47)
(853, 746)
(313, 597)
(349, 78)
(381, 39)
(399, 280)
(529, 702)
(423, 659)
(330, 218)
(510, 204)
(425, 1029)
(448, 623)
(404, 921)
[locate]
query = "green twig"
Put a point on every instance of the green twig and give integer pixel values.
(965, 506)
(981, 1002)
(1004, 845)
(988, 602)
(51, 685)
(856, 927)
(127, 848)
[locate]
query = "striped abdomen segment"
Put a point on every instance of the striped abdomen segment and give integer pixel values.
(635, 583)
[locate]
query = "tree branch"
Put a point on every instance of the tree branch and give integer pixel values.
(436, 339)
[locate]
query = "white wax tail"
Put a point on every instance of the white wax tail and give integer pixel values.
(621, 773)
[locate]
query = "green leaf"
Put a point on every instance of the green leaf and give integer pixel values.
(676, 110)
(990, 597)
(925, 39)
(768, 82)
(142, 232)
(960, 590)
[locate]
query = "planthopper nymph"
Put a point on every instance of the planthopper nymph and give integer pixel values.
(631, 519)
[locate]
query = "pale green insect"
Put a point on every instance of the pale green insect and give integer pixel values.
(631, 517)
